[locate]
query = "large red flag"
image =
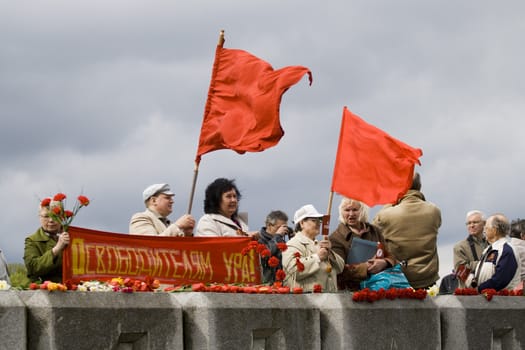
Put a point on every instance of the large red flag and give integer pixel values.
(242, 110)
(372, 166)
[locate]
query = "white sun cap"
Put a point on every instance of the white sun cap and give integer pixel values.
(306, 211)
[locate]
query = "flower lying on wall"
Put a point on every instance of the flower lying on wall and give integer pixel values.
(489, 293)
(4, 285)
(433, 291)
(391, 294)
(124, 285)
(275, 288)
(49, 286)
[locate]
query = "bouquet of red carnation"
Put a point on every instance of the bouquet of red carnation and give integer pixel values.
(57, 211)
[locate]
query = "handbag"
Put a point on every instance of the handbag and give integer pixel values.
(392, 277)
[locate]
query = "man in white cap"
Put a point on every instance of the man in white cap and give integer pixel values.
(158, 199)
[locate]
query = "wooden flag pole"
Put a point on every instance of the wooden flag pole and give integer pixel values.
(221, 38)
(197, 161)
(326, 227)
(195, 174)
(326, 218)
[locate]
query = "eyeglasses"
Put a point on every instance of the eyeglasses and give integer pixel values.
(46, 217)
(472, 222)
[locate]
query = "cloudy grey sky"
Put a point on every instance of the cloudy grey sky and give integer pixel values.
(107, 97)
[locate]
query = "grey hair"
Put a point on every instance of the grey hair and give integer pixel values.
(363, 209)
(500, 223)
(275, 215)
(474, 212)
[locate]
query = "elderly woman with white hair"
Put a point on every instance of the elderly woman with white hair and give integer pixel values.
(353, 222)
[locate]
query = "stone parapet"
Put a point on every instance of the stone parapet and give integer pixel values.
(102, 320)
(249, 321)
(473, 323)
(12, 321)
(384, 324)
(118, 321)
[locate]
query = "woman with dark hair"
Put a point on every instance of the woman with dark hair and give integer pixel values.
(221, 216)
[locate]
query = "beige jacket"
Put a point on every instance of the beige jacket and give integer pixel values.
(148, 223)
(315, 271)
(216, 225)
(410, 228)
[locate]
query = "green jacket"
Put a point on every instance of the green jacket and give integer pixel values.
(40, 263)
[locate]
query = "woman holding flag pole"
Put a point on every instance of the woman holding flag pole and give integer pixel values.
(310, 264)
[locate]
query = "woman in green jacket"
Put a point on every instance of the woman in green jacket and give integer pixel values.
(43, 249)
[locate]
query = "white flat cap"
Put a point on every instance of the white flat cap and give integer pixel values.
(156, 189)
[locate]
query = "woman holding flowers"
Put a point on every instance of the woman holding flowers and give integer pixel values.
(310, 264)
(43, 249)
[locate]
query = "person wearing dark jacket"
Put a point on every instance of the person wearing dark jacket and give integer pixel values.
(271, 234)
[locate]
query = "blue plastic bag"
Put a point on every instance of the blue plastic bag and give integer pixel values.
(392, 277)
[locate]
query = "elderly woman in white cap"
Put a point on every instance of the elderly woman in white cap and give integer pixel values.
(158, 199)
(308, 262)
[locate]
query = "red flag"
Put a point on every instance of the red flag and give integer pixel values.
(242, 110)
(372, 166)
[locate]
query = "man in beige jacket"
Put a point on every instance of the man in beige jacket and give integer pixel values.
(410, 228)
(158, 199)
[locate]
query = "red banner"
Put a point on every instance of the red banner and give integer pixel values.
(97, 255)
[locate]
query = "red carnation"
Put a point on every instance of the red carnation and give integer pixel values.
(261, 247)
(83, 200)
(57, 210)
(282, 246)
(265, 253)
(273, 262)
(489, 293)
(504, 292)
(68, 213)
(280, 275)
(59, 197)
(283, 290)
(297, 290)
(300, 265)
(45, 202)
(318, 288)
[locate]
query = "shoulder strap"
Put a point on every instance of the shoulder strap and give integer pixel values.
(481, 261)
(472, 247)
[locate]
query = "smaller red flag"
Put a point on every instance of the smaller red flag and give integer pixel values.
(372, 166)
(242, 109)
